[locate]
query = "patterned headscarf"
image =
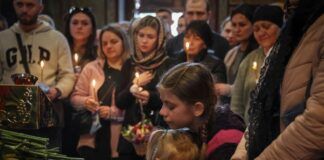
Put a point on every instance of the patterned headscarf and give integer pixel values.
(154, 59)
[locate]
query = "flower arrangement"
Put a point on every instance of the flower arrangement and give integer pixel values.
(138, 135)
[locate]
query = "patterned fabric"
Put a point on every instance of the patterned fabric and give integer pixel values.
(264, 113)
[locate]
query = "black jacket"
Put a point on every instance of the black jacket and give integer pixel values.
(214, 64)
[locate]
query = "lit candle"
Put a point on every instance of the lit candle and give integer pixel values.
(254, 65)
(187, 45)
(93, 84)
(77, 68)
(76, 58)
(42, 63)
(136, 76)
(254, 68)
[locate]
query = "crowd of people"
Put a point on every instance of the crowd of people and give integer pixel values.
(254, 91)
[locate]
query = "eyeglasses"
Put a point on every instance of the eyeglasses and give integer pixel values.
(79, 9)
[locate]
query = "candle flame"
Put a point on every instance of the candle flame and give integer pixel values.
(42, 63)
(93, 83)
(76, 57)
(187, 45)
(255, 65)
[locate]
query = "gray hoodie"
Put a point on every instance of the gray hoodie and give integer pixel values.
(42, 43)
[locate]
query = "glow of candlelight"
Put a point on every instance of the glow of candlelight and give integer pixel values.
(93, 84)
(255, 65)
(76, 58)
(187, 45)
(42, 64)
(136, 76)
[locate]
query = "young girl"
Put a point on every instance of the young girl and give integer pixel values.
(172, 144)
(189, 100)
(100, 98)
(149, 62)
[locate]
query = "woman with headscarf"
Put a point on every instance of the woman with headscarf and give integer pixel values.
(267, 21)
(286, 114)
(149, 62)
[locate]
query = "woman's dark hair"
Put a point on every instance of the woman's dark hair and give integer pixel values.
(90, 51)
(202, 29)
(247, 10)
(191, 83)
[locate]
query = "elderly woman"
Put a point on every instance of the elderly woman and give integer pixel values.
(267, 21)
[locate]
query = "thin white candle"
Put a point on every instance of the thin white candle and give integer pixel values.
(254, 68)
(93, 84)
(42, 64)
(187, 45)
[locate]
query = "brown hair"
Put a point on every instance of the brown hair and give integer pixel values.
(186, 80)
(122, 35)
(171, 144)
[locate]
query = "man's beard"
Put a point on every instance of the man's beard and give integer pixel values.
(31, 21)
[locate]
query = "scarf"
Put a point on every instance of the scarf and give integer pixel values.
(264, 112)
(154, 59)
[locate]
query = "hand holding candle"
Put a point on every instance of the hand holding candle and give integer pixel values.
(135, 87)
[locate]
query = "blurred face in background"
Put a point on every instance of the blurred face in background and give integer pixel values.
(193, 44)
(80, 27)
(112, 45)
(181, 25)
(196, 10)
(27, 11)
(147, 39)
(228, 33)
(265, 33)
(242, 27)
(165, 16)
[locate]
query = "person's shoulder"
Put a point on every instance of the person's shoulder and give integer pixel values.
(176, 38)
(218, 37)
(254, 53)
(228, 119)
(93, 65)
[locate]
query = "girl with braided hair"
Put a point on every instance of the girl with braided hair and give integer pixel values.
(189, 100)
